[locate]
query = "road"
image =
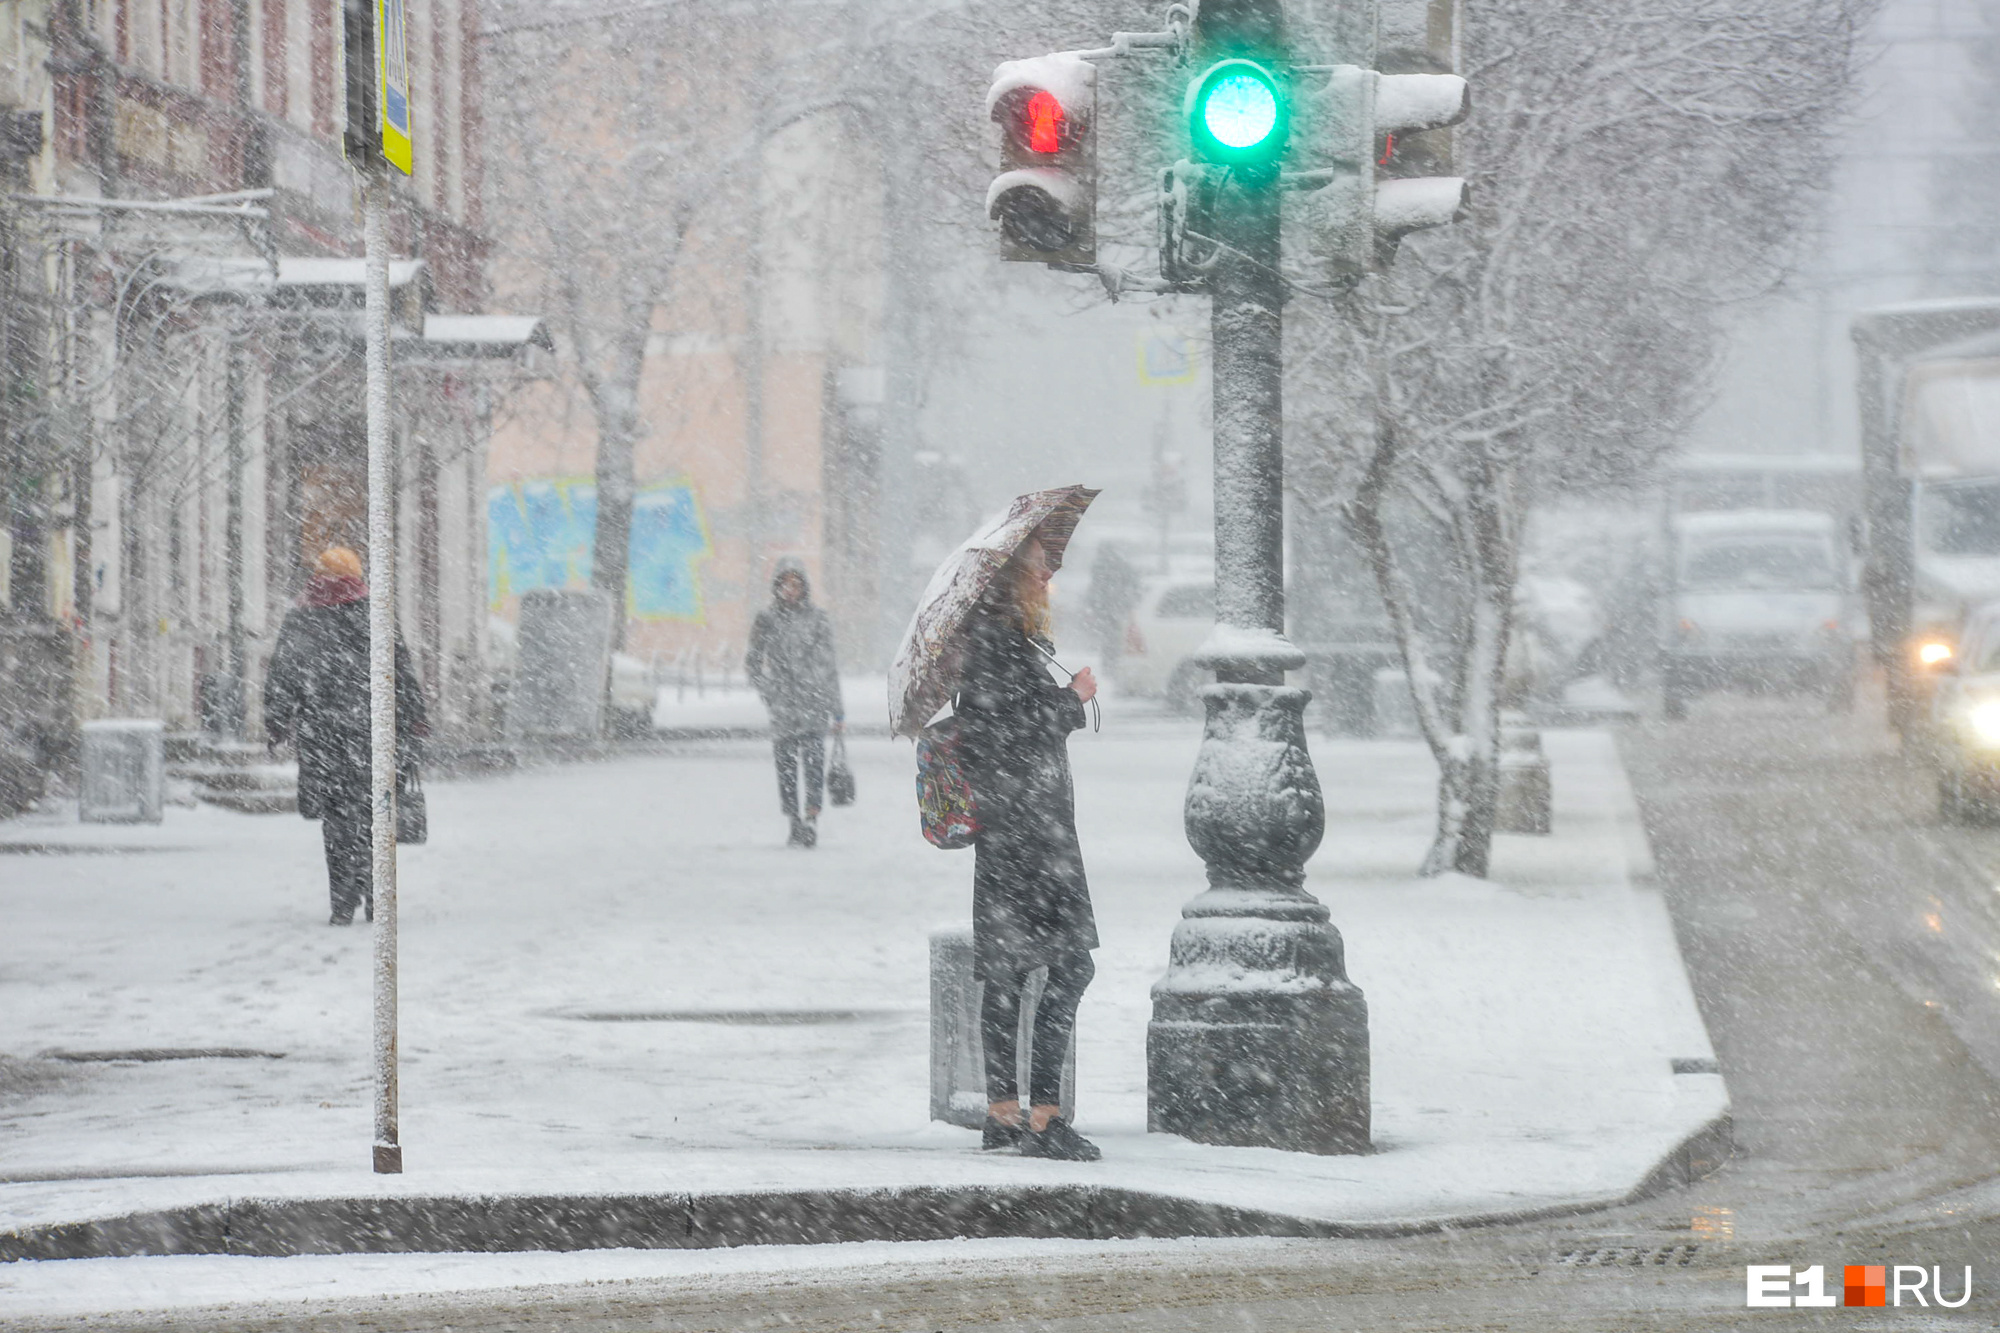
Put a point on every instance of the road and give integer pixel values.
(1844, 947)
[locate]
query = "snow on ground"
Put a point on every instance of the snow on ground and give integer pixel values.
(1522, 1029)
(729, 704)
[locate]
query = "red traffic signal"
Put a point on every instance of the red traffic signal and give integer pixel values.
(1045, 122)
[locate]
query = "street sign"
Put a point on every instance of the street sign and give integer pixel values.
(392, 83)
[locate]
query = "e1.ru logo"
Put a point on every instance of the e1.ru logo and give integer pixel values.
(1769, 1286)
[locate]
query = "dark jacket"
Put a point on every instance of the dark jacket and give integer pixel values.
(792, 666)
(1030, 902)
(316, 696)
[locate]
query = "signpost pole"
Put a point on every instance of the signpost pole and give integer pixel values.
(382, 666)
(389, 146)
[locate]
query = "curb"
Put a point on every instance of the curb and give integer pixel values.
(1703, 1152)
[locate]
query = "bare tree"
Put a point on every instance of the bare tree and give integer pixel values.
(1637, 165)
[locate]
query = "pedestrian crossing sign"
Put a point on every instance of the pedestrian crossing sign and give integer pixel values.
(392, 83)
(1167, 356)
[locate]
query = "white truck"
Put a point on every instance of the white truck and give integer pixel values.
(1929, 381)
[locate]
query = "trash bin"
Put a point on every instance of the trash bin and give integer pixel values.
(124, 771)
(958, 1055)
(562, 664)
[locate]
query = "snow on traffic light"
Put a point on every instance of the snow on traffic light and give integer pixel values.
(1045, 197)
(1357, 220)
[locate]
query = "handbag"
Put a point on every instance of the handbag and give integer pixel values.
(945, 806)
(413, 823)
(839, 777)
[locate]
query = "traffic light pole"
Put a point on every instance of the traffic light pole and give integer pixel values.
(1257, 1038)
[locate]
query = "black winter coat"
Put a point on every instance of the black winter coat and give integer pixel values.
(791, 663)
(1030, 902)
(316, 696)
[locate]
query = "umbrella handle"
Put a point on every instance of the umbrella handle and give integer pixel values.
(1096, 713)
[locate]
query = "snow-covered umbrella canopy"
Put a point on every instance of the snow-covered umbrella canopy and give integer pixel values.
(925, 670)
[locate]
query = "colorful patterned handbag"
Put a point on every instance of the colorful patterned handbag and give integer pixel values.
(949, 815)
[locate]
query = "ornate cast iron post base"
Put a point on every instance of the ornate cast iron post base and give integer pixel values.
(1258, 1038)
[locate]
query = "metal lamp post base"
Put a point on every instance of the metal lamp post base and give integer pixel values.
(1258, 1038)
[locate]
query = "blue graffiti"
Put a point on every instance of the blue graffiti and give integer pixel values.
(540, 535)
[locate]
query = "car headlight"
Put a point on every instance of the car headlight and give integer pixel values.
(1984, 718)
(1933, 652)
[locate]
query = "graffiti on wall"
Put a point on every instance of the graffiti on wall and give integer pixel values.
(539, 535)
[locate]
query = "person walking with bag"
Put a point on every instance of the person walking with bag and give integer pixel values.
(316, 698)
(791, 663)
(1030, 901)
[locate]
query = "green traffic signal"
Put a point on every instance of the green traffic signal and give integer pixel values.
(1236, 113)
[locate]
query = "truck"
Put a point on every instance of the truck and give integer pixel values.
(1929, 399)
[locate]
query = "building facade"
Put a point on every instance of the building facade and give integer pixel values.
(716, 313)
(184, 334)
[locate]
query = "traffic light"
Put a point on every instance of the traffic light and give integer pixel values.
(1238, 114)
(1357, 220)
(358, 136)
(1045, 197)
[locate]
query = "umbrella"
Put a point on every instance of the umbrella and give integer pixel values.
(925, 670)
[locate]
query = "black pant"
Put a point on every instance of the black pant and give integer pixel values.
(348, 829)
(795, 752)
(1055, 1020)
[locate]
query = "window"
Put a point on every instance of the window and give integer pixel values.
(1759, 563)
(1960, 518)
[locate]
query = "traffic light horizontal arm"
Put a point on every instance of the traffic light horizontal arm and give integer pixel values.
(1125, 43)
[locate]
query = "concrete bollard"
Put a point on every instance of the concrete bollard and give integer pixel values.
(958, 1056)
(1524, 799)
(124, 772)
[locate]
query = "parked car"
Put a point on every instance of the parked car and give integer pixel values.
(1174, 615)
(1761, 599)
(1962, 738)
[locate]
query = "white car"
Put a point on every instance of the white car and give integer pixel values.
(1761, 599)
(1174, 616)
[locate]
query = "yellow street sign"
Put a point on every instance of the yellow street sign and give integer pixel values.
(392, 85)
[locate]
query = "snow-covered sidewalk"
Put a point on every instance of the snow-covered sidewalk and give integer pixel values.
(616, 977)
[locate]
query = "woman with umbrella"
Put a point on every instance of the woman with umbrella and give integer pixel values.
(987, 614)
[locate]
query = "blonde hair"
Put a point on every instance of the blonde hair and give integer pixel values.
(1028, 600)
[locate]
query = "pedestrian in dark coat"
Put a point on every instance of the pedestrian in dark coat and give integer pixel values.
(792, 665)
(316, 698)
(1030, 901)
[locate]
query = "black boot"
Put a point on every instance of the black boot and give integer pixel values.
(998, 1135)
(1060, 1142)
(798, 838)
